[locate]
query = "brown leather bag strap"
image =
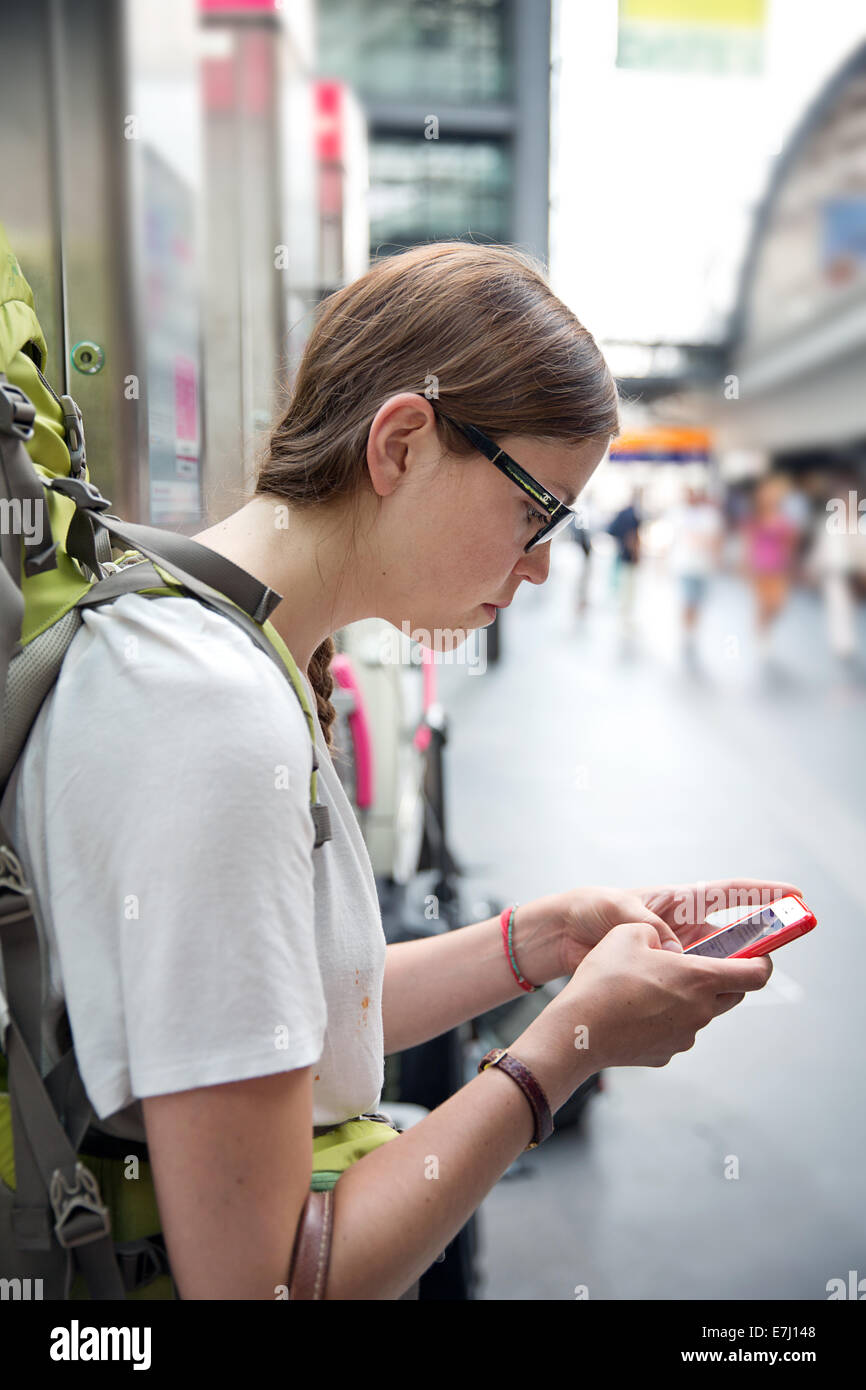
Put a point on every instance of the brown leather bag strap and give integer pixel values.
(308, 1276)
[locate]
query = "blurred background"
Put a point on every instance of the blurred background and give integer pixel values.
(189, 180)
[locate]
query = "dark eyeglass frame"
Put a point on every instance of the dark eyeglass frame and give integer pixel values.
(560, 513)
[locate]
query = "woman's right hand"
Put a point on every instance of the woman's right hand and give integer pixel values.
(630, 1003)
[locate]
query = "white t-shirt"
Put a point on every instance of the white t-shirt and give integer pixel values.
(161, 811)
(695, 529)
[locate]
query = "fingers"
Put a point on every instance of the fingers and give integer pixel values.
(667, 936)
(728, 885)
(736, 975)
(646, 931)
(685, 905)
(717, 884)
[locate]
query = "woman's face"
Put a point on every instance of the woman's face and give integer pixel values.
(768, 496)
(455, 528)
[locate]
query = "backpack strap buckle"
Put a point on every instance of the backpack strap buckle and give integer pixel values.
(15, 892)
(141, 1262)
(11, 872)
(83, 493)
(81, 1214)
(17, 411)
(74, 423)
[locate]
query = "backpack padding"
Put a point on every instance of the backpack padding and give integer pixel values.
(19, 325)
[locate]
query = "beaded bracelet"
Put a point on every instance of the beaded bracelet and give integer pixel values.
(507, 921)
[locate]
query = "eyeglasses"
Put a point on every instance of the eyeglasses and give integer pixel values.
(559, 514)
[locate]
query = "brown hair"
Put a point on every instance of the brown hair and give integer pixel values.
(478, 328)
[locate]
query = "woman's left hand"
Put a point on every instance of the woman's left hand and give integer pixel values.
(677, 911)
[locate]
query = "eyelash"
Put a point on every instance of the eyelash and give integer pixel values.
(533, 515)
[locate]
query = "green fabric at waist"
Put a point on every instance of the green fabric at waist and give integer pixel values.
(336, 1151)
(128, 1189)
(333, 1152)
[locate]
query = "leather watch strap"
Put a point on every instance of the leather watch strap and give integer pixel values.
(309, 1273)
(500, 1057)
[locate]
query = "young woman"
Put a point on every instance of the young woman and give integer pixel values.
(228, 985)
(770, 544)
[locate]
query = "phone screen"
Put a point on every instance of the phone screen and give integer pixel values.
(764, 922)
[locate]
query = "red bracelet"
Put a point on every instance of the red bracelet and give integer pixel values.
(507, 921)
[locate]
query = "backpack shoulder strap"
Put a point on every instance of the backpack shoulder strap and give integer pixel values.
(169, 548)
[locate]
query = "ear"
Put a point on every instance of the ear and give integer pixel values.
(400, 432)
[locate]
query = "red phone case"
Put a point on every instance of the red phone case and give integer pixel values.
(767, 943)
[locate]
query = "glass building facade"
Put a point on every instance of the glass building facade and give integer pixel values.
(438, 83)
(422, 189)
(448, 51)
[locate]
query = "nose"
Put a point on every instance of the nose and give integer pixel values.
(535, 566)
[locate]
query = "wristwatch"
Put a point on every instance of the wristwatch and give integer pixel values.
(502, 1058)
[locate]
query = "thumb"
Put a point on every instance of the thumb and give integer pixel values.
(668, 938)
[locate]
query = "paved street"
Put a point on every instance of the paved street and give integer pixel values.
(593, 756)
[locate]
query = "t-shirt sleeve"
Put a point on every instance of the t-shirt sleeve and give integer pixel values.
(180, 847)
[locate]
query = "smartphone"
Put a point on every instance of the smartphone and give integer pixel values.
(755, 931)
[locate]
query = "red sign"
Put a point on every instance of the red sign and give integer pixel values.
(243, 6)
(329, 121)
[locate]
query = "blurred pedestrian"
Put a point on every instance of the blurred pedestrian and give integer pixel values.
(581, 534)
(837, 557)
(625, 529)
(770, 542)
(698, 534)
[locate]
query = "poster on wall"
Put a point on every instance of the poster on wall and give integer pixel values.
(843, 239)
(171, 308)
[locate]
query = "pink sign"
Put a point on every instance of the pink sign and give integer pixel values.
(185, 408)
(329, 124)
(221, 6)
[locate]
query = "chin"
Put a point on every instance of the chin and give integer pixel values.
(451, 638)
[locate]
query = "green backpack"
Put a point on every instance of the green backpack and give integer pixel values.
(78, 1212)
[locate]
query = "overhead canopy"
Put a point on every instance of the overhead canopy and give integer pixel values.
(662, 444)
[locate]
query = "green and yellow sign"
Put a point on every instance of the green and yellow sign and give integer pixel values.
(724, 37)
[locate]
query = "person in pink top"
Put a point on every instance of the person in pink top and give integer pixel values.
(770, 538)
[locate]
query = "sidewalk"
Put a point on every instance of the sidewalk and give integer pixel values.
(584, 757)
